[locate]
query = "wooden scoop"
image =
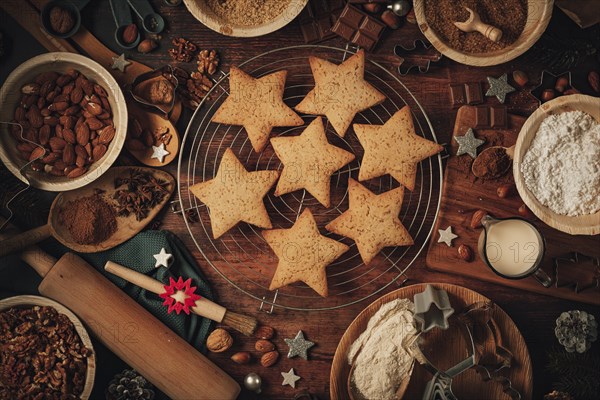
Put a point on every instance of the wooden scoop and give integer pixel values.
(127, 227)
(473, 23)
(510, 152)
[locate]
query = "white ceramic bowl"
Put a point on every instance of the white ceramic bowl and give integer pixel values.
(581, 224)
(203, 13)
(10, 94)
(30, 301)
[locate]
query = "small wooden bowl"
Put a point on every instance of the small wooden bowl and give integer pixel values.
(538, 17)
(30, 301)
(203, 13)
(579, 225)
(10, 93)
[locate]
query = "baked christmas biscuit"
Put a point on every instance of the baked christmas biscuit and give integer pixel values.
(372, 220)
(340, 91)
(257, 105)
(393, 148)
(235, 195)
(308, 162)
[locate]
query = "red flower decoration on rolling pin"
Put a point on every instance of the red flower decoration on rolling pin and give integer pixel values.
(179, 295)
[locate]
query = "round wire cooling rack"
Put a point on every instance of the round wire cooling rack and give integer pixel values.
(241, 256)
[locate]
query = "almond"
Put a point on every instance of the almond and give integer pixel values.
(63, 80)
(505, 190)
(45, 77)
(57, 171)
(51, 121)
(72, 110)
(242, 357)
(76, 95)
(44, 135)
(38, 152)
(57, 143)
(264, 346)
(269, 359)
(34, 117)
(80, 151)
(20, 113)
(98, 152)
(107, 134)
(219, 341)
(130, 33)
(82, 134)
(94, 124)
(476, 219)
(52, 157)
(99, 90)
(80, 161)
(93, 108)
(264, 332)
(69, 136)
(76, 173)
(525, 212)
(59, 106)
(465, 252)
(69, 154)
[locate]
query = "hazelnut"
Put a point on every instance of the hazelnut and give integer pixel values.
(130, 33)
(264, 332)
(219, 341)
(525, 212)
(520, 78)
(561, 84)
(264, 346)
(269, 359)
(505, 190)
(61, 20)
(411, 18)
(476, 219)
(242, 357)
(391, 19)
(548, 94)
(465, 252)
(147, 45)
(372, 7)
(594, 81)
(571, 91)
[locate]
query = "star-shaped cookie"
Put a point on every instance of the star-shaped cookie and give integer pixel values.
(340, 91)
(303, 254)
(372, 220)
(308, 162)
(393, 148)
(235, 195)
(257, 105)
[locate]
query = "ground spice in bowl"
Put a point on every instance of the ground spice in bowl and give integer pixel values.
(248, 12)
(491, 163)
(90, 220)
(509, 16)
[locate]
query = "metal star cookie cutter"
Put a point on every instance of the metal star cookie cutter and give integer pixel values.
(410, 60)
(546, 77)
(168, 73)
(432, 308)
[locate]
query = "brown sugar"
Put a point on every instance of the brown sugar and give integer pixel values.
(248, 12)
(90, 220)
(508, 15)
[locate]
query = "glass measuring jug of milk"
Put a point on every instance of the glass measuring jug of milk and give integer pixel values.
(513, 248)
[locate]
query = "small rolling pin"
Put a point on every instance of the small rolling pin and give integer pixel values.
(203, 307)
(473, 23)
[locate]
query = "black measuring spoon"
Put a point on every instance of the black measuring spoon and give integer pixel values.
(122, 17)
(151, 21)
(72, 7)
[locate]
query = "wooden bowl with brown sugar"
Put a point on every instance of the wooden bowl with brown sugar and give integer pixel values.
(538, 17)
(245, 18)
(588, 224)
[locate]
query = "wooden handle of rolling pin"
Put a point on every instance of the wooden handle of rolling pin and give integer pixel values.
(203, 307)
(23, 240)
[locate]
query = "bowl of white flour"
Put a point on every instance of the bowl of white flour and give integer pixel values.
(557, 164)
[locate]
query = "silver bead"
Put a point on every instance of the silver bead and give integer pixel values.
(400, 7)
(253, 382)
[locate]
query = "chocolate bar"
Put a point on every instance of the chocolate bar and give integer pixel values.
(491, 117)
(467, 93)
(359, 27)
(317, 19)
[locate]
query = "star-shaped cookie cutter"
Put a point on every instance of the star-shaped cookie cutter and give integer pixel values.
(418, 54)
(548, 81)
(432, 308)
(576, 259)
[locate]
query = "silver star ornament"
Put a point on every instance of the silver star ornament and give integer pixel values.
(163, 259)
(446, 236)
(499, 87)
(120, 63)
(298, 346)
(290, 378)
(468, 144)
(159, 152)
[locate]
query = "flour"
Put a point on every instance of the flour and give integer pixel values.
(562, 166)
(379, 359)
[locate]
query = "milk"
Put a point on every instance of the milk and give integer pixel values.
(513, 247)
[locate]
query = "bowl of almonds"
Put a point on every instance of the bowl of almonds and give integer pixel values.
(68, 121)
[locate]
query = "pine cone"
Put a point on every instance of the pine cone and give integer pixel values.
(556, 395)
(576, 330)
(208, 62)
(129, 385)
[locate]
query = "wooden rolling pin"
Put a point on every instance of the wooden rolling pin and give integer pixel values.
(129, 331)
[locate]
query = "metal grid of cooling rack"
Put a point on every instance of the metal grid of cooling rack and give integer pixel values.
(241, 256)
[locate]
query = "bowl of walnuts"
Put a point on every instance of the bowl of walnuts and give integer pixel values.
(45, 351)
(68, 121)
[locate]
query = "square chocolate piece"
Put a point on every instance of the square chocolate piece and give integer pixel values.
(359, 27)
(474, 93)
(499, 117)
(457, 95)
(482, 117)
(317, 19)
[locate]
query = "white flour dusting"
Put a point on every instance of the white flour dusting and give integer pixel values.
(562, 166)
(379, 359)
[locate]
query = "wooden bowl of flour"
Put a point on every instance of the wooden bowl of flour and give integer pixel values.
(577, 225)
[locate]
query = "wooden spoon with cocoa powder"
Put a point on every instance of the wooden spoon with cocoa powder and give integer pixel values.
(126, 226)
(493, 162)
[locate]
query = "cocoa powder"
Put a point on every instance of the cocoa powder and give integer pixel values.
(509, 16)
(90, 220)
(491, 163)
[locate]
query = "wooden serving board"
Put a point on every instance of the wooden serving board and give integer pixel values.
(468, 385)
(463, 194)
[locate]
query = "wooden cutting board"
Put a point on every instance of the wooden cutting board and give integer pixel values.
(463, 194)
(447, 349)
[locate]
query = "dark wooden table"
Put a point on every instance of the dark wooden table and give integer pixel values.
(533, 314)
